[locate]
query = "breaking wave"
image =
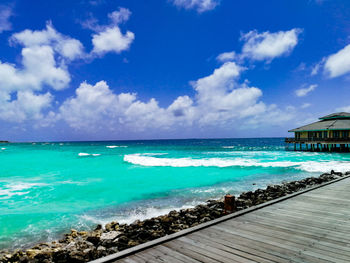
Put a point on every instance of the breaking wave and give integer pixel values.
(308, 166)
(116, 146)
(89, 154)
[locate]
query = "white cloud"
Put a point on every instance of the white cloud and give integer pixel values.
(27, 106)
(5, 14)
(267, 46)
(339, 63)
(305, 105)
(44, 58)
(315, 69)
(68, 48)
(304, 91)
(118, 17)
(112, 40)
(226, 56)
(199, 5)
(219, 101)
(343, 109)
(109, 38)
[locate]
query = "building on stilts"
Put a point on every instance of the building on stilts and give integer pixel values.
(331, 133)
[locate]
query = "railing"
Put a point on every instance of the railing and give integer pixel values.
(313, 139)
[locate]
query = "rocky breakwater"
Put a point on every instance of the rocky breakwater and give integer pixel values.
(83, 246)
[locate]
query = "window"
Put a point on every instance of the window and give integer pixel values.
(345, 134)
(325, 134)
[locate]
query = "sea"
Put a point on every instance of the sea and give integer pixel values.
(47, 188)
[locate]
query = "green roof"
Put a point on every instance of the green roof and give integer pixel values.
(335, 121)
(337, 115)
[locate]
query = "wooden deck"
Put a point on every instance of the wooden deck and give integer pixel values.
(311, 226)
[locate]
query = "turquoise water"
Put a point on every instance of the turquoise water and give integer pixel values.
(48, 188)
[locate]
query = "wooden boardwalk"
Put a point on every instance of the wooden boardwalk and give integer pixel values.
(312, 226)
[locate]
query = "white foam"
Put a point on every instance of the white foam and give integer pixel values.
(89, 154)
(135, 215)
(12, 189)
(309, 166)
(116, 146)
(228, 147)
(3, 148)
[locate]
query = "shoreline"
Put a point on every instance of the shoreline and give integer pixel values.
(84, 246)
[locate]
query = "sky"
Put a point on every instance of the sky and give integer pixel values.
(170, 69)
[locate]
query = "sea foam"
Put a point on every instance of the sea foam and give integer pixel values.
(116, 146)
(9, 190)
(308, 166)
(89, 154)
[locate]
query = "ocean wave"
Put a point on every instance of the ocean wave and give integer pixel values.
(12, 189)
(228, 147)
(116, 146)
(89, 154)
(133, 215)
(3, 148)
(308, 166)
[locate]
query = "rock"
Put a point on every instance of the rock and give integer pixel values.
(101, 248)
(133, 243)
(31, 253)
(110, 235)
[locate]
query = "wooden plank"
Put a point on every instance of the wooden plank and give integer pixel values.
(132, 259)
(308, 256)
(292, 239)
(215, 255)
(183, 249)
(227, 247)
(260, 245)
(239, 245)
(201, 245)
(307, 221)
(329, 236)
(176, 254)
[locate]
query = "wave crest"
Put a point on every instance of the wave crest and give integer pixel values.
(308, 166)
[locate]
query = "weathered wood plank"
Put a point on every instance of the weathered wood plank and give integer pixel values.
(240, 245)
(293, 239)
(278, 242)
(228, 248)
(183, 249)
(175, 254)
(327, 236)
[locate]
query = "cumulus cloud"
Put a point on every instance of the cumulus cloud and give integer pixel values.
(68, 48)
(109, 38)
(304, 91)
(44, 58)
(338, 64)
(112, 40)
(267, 46)
(226, 56)
(5, 14)
(27, 106)
(199, 5)
(219, 100)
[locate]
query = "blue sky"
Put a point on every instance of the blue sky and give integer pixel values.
(109, 69)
